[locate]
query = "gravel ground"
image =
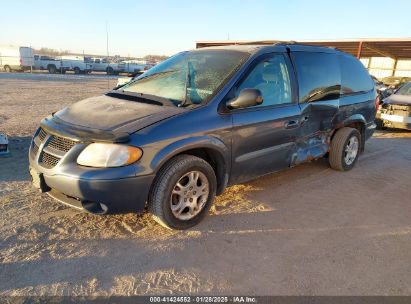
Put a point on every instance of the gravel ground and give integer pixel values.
(306, 231)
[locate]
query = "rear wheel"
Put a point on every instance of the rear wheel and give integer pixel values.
(52, 69)
(183, 192)
(7, 69)
(345, 149)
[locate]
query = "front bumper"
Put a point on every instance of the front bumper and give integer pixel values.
(96, 190)
(99, 196)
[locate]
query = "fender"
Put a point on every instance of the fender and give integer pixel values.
(189, 143)
(355, 119)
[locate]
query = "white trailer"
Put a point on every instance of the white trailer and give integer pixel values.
(16, 58)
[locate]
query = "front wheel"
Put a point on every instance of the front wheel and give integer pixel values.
(345, 149)
(183, 192)
(110, 71)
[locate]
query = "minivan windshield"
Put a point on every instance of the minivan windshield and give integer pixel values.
(188, 78)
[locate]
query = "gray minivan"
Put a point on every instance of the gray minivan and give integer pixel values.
(178, 135)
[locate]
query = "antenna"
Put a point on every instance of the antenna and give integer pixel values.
(107, 37)
(108, 76)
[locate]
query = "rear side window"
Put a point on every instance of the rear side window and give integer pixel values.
(318, 76)
(354, 76)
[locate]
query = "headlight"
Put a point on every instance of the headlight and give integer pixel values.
(102, 155)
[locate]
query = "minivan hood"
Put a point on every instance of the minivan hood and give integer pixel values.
(112, 114)
(397, 99)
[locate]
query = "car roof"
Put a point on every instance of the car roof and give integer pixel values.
(254, 48)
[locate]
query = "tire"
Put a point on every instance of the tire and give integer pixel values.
(109, 71)
(182, 170)
(63, 71)
(76, 70)
(7, 69)
(52, 69)
(339, 158)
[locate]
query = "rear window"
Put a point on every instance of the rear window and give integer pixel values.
(354, 76)
(318, 76)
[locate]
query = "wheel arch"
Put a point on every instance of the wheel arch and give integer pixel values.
(356, 121)
(210, 149)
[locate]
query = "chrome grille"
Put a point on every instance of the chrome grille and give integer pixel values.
(48, 160)
(34, 149)
(60, 143)
(54, 148)
(42, 134)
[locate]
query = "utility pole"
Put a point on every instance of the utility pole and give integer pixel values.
(108, 76)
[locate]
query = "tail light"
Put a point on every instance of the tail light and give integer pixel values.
(21, 61)
(146, 68)
(377, 102)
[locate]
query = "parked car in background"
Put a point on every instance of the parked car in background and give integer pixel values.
(133, 66)
(200, 121)
(379, 85)
(394, 81)
(395, 110)
(4, 144)
(103, 65)
(18, 58)
(131, 76)
(382, 90)
(51, 64)
(76, 64)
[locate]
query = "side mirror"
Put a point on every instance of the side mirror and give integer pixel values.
(247, 98)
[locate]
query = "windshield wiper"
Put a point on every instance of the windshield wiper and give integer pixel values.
(140, 97)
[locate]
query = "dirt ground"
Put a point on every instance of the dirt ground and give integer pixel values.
(306, 231)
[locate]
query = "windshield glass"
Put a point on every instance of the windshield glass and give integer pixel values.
(189, 77)
(405, 89)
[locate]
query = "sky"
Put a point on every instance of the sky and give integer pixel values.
(138, 28)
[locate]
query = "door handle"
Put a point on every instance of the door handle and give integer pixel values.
(304, 119)
(291, 124)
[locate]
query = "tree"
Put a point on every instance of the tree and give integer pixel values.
(155, 58)
(51, 52)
